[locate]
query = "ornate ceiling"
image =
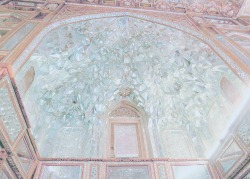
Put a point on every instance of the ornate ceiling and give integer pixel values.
(79, 70)
(124, 88)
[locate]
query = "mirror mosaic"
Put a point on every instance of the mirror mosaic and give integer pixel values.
(80, 68)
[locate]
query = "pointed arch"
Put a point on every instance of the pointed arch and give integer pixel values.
(127, 133)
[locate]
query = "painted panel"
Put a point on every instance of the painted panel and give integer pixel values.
(28, 79)
(131, 172)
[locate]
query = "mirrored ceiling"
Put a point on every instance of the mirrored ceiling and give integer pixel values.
(77, 71)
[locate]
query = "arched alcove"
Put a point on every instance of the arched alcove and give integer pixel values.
(83, 62)
(127, 131)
